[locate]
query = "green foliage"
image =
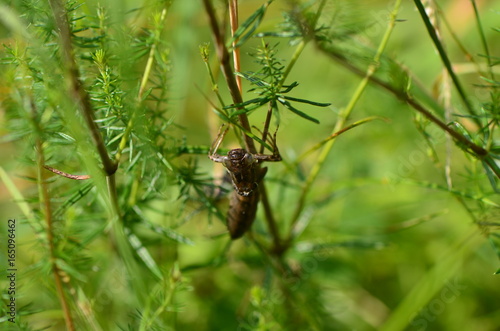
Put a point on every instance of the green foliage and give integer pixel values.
(391, 227)
(269, 84)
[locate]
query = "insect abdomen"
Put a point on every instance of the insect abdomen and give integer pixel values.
(241, 214)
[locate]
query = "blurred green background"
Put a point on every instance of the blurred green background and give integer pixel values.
(399, 254)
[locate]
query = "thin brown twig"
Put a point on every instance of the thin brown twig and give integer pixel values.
(233, 19)
(76, 88)
(65, 174)
(83, 100)
(266, 127)
(227, 70)
(46, 206)
(270, 220)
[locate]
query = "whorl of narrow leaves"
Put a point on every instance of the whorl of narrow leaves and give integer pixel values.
(268, 84)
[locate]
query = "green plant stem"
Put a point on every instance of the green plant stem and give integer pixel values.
(154, 46)
(431, 282)
(343, 117)
(333, 136)
(455, 38)
(215, 87)
(293, 61)
(491, 73)
(145, 78)
(269, 216)
(446, 61)
(483, 40)
(169, 284)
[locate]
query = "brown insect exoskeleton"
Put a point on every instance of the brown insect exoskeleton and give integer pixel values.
(246, 174)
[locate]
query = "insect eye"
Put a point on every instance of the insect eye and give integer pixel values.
(248, 159)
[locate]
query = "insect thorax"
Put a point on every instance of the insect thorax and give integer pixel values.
(242, 167)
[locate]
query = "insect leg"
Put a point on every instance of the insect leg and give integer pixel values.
(275, 157)
(212, 154)
(274, 145)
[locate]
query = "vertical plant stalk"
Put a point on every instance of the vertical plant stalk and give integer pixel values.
(272, 107)
(483, 40)
(234, 87)
(233, 20)
(446, 96)
(495, 96)
(269, 215)
(47, 212)
(444, 90)
(82, 98)
(228, 73)
(144, 81)
(343, 117)
(171, 285)
(205, 56)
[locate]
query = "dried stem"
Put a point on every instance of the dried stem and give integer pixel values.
(76, 88)
(233, 19)
(78, 91)
(65, 174)
(227, 70)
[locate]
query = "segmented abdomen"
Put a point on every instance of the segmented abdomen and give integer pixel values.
(241, 213)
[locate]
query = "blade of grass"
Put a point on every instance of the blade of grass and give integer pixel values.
(19, 199)
(430, 283)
